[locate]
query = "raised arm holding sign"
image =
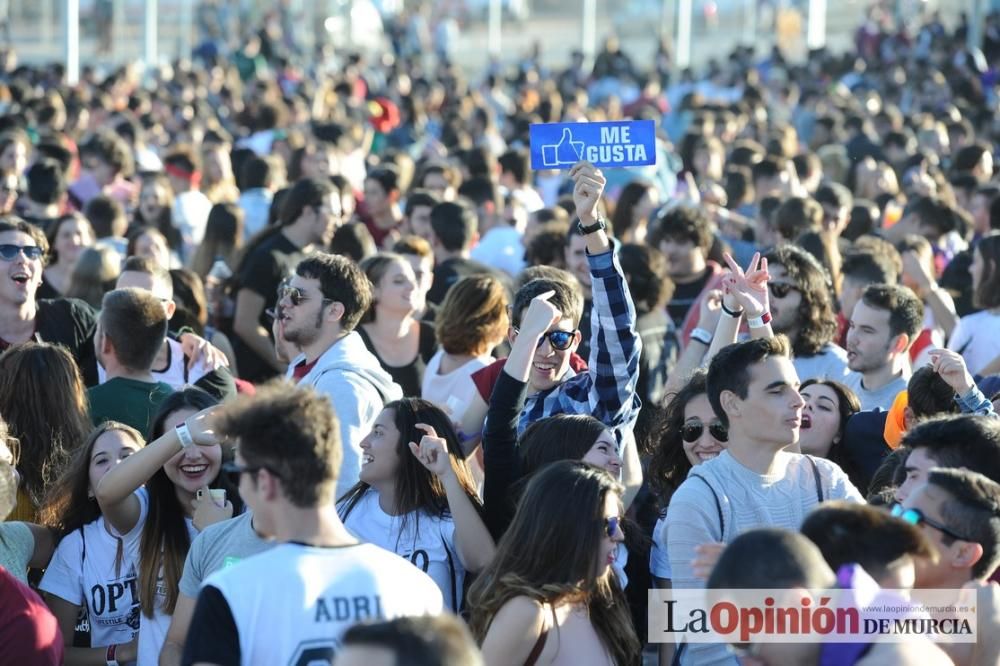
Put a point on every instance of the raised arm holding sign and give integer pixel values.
(607, 144)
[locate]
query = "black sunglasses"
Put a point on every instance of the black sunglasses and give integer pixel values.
(613, 526)
(690, 432)
(234, 471)
(10, 252)
(781, 289)
(561, 340)
(916, 517)
(296, 296)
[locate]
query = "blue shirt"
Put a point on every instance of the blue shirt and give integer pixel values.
(606, 390)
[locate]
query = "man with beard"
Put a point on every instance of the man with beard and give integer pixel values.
(884, 324)
(319, 309)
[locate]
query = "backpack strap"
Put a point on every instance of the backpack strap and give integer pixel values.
(817, 478)
(718, 504)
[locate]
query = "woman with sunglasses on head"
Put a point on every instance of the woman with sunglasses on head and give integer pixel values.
(402, 344)
(549, 596)
(167, 489)
(689, 434)
(416, 497)
(94, 567)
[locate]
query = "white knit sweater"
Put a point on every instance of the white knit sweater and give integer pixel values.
(748, 500)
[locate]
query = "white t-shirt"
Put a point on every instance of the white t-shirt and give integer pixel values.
(153, 630)
(85, 571)
(428, 542)
(452, 392)
(292, 603)
(174, 372)
(977, 338)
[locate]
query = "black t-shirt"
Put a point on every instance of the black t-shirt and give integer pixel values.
(410, 376)
(685, 295)
(46, 291)
(71, 323)
(222, 644)
(262, 273)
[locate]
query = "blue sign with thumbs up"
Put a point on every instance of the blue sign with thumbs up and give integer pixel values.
(609, 144)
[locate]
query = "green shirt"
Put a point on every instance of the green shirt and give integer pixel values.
(129, 401)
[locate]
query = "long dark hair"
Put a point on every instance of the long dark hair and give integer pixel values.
(549, 552)
(847, 406)
(560, 437)
(69, 504)
(165, 541)
(987, 294)
(43, 400)
(628, 201)
(417, 488)
(669, 465)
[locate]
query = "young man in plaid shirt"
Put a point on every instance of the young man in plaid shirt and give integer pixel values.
(606, 390)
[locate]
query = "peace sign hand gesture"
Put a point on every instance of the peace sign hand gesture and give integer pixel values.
(750, 287)
(432, 452)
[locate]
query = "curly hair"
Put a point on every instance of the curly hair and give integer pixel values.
(817, 322)
(668, 464)
(683, 223)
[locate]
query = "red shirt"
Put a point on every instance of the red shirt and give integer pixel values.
(29, 633)
(486, 378)
(302, 369)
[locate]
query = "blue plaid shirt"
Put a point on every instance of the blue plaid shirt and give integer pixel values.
(974, 402)
(606, 390)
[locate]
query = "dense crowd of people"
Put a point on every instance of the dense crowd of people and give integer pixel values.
(302, 363)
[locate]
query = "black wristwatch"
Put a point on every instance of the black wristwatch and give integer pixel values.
(598, 225)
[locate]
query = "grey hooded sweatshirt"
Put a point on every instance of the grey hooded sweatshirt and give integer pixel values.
(358, 387)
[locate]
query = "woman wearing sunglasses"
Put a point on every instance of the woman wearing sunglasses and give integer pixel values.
(166, 489)
(690, 433)
(416, 497)
(550, 593)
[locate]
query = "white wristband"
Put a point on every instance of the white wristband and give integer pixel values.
(702, 335)
(759, 322)
(184, 435)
